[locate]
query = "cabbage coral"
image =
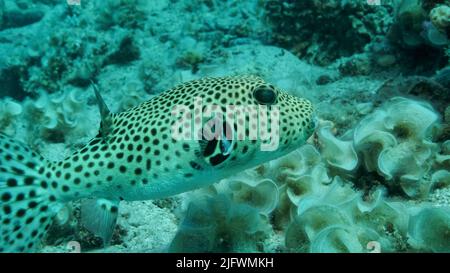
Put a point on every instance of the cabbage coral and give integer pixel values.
(339, 153)
(440, 16)
(396, 142)
(330, 222)
(216, 224)
(436, 238)
(9, 111)
(58, 116)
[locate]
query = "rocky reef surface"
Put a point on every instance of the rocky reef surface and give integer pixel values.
(377, 169)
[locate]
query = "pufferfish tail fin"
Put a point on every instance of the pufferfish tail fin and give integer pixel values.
(27, 207)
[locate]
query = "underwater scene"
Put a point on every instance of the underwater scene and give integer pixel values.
(252, 126)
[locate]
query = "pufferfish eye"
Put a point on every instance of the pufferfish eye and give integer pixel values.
(265, 95)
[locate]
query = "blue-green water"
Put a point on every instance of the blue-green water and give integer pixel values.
(368, 171)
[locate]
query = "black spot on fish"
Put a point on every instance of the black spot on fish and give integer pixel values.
(217, 159)
(210, 147)
(195, 165)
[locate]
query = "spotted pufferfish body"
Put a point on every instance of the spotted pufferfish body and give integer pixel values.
(136, 157)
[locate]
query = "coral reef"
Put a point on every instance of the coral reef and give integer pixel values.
(440, 16)
(396, 141)
(417, 32)
(307, 177)
(75, 57)
(436, 239)
(432, 89)
(313, 230)
(309, 28)
(141, 227)
(122, 13)
(57, 118)
(446, 126)
(260, 194)
(68, 227)
(9, 112)
(355, 65)
(339, 153)
(410, 16)
(376, 171)
(19, 14)
(216, 224)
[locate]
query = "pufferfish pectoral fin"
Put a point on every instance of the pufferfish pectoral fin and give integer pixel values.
(106, 123)
(99, 216)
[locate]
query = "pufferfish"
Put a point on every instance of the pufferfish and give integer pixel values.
(135, 157)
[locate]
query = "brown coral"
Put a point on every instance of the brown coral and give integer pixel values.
(446, 126)
(421, 87)
(440, 16)
(447, 114)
